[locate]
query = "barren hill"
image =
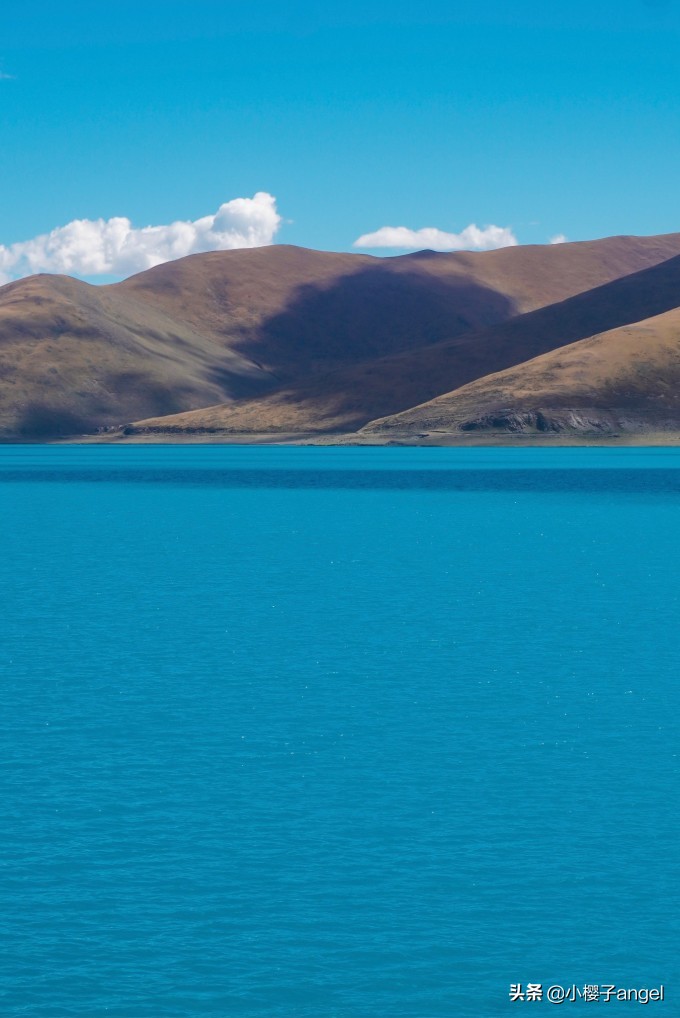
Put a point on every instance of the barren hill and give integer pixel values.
(349, 398)
(626, 379)
(75, 357)
(271, 330)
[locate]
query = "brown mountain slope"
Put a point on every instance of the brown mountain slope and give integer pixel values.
(298, 311)
(348, 399)
(626, 379)
(74, 357)
(222, 326)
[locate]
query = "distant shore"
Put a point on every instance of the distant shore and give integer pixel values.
(433, 439)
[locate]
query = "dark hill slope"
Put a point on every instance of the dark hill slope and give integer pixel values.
(225, 326)
(627, 379)
(350, 398)
(299, 312)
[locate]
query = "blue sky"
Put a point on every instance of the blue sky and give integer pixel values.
(532, 116)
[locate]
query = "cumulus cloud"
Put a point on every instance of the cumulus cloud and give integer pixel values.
(559, 239)
(472, 238)
(92, 247)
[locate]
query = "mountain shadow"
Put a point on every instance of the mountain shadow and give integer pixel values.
(371, 313)
(375, 386)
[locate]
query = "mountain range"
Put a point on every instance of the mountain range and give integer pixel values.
(576, 338)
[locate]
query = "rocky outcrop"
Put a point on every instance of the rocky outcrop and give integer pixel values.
(543, 421)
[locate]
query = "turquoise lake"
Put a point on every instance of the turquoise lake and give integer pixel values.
(337, 733)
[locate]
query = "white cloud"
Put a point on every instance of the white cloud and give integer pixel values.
(559, 239)
(472, 238)
(92, 247)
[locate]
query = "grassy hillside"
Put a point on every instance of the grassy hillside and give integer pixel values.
(349, 398)
(285, 338)
(626, 379)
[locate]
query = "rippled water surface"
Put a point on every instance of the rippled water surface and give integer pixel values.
(336, 733)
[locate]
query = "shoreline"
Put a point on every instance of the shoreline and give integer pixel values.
(403, 440)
